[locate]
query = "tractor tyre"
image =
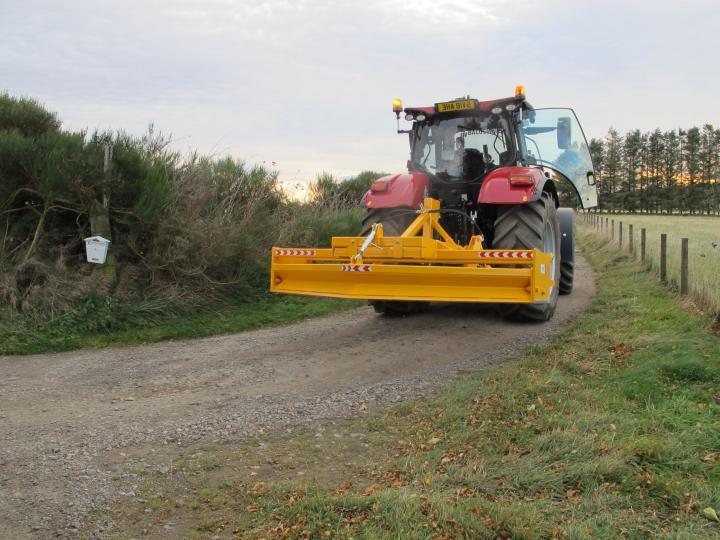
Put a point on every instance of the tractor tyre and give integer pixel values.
(567, 274)
(567, 250)
(394, 221)
(533, 225)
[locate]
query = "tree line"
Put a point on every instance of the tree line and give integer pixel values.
(675, 171)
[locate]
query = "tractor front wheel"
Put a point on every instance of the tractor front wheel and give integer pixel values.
(533, 225)
(567, 250)
(394, 222)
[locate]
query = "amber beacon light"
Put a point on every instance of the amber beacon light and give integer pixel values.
(397, 105)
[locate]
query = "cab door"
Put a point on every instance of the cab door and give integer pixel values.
(553, 138)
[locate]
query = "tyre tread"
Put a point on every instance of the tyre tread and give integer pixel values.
(522, 227)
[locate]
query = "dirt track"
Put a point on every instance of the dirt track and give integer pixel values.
(73, 425)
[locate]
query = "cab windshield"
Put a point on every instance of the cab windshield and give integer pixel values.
(463, 148)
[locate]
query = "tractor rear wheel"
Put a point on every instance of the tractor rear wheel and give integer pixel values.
(533, 225)
(394, 222)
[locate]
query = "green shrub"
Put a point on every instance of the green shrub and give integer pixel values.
(184, 231)
(330, 192)
(26, 116)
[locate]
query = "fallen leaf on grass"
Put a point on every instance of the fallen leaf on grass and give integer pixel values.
(619, 350)
(343, 488)
(257, 487)
(372, 489)
(295, 497)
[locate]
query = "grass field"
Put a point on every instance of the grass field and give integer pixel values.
(612, 430)
(704, 259)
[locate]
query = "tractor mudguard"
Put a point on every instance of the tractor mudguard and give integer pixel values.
(398, 190)
(512, 185)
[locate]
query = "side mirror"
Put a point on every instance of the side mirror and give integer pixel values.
(564, 133)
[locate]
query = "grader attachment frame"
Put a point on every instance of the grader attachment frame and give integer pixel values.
(422, 264)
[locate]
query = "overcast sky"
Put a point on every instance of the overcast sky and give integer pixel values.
(308, 84)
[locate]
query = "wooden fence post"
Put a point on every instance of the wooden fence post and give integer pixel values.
(642, 245)
(620, 236)
(631, 240)
(663, 258)
(612, 229)
(684, 266)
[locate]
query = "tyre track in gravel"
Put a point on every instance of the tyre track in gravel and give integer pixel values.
(71, 422)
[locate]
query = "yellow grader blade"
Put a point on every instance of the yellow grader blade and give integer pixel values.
(423, 264)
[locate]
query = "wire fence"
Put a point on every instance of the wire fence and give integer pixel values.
(683, 253)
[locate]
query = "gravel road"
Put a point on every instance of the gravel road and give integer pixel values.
(72, 425)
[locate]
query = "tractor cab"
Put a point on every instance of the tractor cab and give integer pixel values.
(458, 143)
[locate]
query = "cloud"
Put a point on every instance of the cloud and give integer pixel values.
(308, 83)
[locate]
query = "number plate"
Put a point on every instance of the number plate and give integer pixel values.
(452, 106)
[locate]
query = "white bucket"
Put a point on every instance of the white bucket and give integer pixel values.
(96, 249)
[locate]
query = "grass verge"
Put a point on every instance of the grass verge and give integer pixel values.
(98, 322)
(612, 430)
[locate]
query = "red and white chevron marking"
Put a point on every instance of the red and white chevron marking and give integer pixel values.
(505, 254)
(295, 252)
(356, 268)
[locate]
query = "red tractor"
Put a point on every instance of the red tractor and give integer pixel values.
(475, 219)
